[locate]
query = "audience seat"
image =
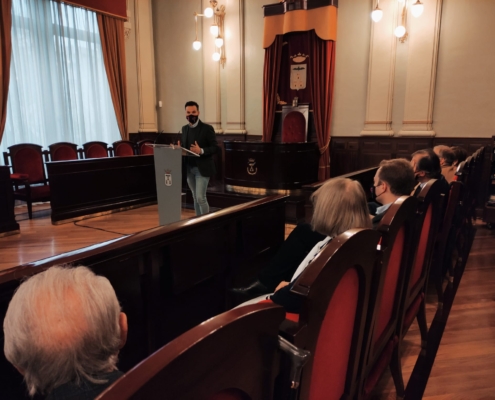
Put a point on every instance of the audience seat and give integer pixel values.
(386, 312)
(233, 356)
(142, 148)
(29, 178)
(95, 150)
(336, 288)
(63, 151)
(124, 148)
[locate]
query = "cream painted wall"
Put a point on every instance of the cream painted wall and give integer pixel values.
(465, 90)
(464, 102)
(131, 73)
(178, 68)
(351, 67)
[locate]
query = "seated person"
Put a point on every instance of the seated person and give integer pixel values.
(394, 178)
(63, 332)
(447, 158)
(460, 155)
(339, 205)
(426, 165)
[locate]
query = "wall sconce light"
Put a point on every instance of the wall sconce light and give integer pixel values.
(400, 31)
(216, 29)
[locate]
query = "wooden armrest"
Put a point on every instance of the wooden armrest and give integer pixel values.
(294, 332)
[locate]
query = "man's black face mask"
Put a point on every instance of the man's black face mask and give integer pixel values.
(192, 119)
(373, 194)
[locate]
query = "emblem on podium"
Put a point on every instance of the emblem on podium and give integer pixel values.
(168, 177)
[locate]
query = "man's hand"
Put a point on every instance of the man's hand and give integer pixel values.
(281, 285)
(178, 143)
(195, 148)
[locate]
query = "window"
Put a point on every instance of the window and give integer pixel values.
(58, 84)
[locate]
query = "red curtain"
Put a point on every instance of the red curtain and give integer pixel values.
(5, 55)
(271, 73)
(321, 82)
(113, 47)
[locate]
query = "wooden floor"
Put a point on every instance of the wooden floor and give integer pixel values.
(464, 363)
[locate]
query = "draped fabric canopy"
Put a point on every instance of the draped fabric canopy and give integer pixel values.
(296, 36)
(115, 8)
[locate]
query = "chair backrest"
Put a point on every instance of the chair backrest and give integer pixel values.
(95, 150)
(397, 230)
(231, 356)
(429, 212)
(294, 128)
(123, 148)
(63, 151)
(336, 287)
(142, 148)
(27, 158)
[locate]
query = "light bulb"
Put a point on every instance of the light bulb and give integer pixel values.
(216, 56)
(219, 42)
(196, 45)
(377, 14)
(400, 31)
(417, 9)
(208, 12)
(214, 30)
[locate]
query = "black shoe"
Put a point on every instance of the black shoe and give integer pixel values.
(255, 288)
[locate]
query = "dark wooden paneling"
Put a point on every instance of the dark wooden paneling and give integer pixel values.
(168, 279)
(7, 216)
(83, 187)
(277, 165)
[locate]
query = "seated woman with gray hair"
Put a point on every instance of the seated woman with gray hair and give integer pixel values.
(339, 205)
(63, 332)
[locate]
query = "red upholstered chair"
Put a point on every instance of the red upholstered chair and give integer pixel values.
(294, 128)
(95, 150)
(232, 356)
(123, 148)
(142, 148)
(63, 151)
(386, 313)
(336, 288)
(428, 215)
(30, 183)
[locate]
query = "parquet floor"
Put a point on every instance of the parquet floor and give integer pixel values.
(465, 362)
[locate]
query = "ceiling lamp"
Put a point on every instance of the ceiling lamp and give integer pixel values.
(377, 13)
(216, 29)
(417, 9)
(208, 13)
(400, 31)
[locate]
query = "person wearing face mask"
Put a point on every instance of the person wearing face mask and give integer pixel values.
(200, 139)
(426, 165)
(394, 178)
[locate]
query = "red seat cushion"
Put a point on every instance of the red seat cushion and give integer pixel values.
(19, 176)
(96, 151)
(64, 153)
(124, 149)
(294, 128)
(30, 162)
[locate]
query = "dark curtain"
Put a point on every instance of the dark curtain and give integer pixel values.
(5, 55)
(113, 46)
(271, 72)
(321, 82)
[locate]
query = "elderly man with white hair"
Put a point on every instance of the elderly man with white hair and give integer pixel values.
(63, 332)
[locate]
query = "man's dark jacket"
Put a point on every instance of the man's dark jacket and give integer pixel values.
(204, 135)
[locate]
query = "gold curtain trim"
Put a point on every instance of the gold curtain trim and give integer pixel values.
(322, 19)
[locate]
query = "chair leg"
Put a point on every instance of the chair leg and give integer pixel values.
(396, 369)
(423, 327)
(30, 208)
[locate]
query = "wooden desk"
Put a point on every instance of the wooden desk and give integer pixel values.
(8, 224)
(87, 187)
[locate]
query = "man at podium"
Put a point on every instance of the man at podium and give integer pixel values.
(200, 139)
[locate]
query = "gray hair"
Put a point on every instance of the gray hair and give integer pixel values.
(339, 205)
(62, 325)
